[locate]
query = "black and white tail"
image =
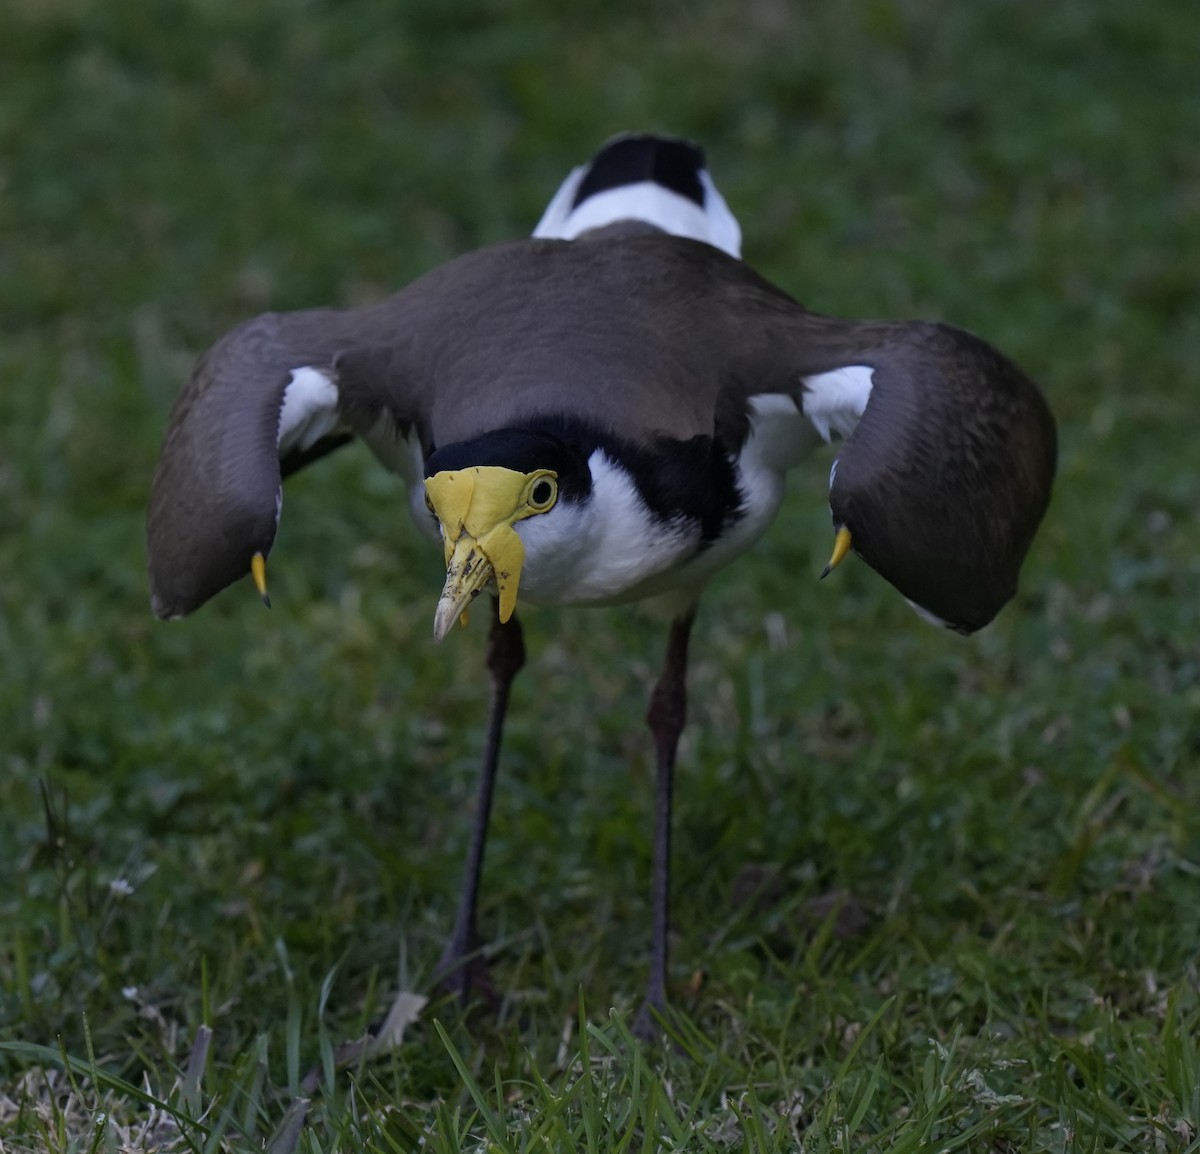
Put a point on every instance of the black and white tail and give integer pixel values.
(657, 180)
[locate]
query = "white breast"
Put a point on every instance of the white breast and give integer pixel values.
(611, 550)
(606, 551)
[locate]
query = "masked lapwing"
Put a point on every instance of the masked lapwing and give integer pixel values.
(605, 413)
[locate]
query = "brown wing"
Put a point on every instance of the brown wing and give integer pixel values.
(214, 501)
(948, 470)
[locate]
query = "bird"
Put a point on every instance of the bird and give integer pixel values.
(604, 413)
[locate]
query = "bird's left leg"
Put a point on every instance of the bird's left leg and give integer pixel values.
(665, 717)
(505, 657)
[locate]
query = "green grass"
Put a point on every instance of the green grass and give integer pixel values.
(252, 823)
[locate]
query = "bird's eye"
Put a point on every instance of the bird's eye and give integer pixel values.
(543, 494)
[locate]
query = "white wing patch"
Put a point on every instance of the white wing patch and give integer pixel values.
(835, 400)
(309, 410)
(648, 202)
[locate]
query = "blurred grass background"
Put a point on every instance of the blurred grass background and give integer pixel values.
(1013, 817)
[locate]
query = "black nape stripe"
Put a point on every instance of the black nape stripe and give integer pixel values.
(520, 449)
(673, 164)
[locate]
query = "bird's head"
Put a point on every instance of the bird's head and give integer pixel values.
(482, 491)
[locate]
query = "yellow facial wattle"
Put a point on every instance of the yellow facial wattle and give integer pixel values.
(477, 508)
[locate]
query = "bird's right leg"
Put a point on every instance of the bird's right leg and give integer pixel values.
(505, 657)
(666, 717)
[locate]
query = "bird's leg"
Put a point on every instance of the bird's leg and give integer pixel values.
(665, 717)
(505, 656)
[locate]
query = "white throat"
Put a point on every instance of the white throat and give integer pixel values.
(606, 550)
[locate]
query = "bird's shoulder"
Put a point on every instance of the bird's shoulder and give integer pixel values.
(643, 333)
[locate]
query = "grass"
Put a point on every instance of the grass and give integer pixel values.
(226, 844)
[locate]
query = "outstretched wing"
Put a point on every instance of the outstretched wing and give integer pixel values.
(272, 395)
(949, 447)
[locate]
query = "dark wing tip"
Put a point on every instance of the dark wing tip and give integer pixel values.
(197, 544)
(214, 500)
(948, 474)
